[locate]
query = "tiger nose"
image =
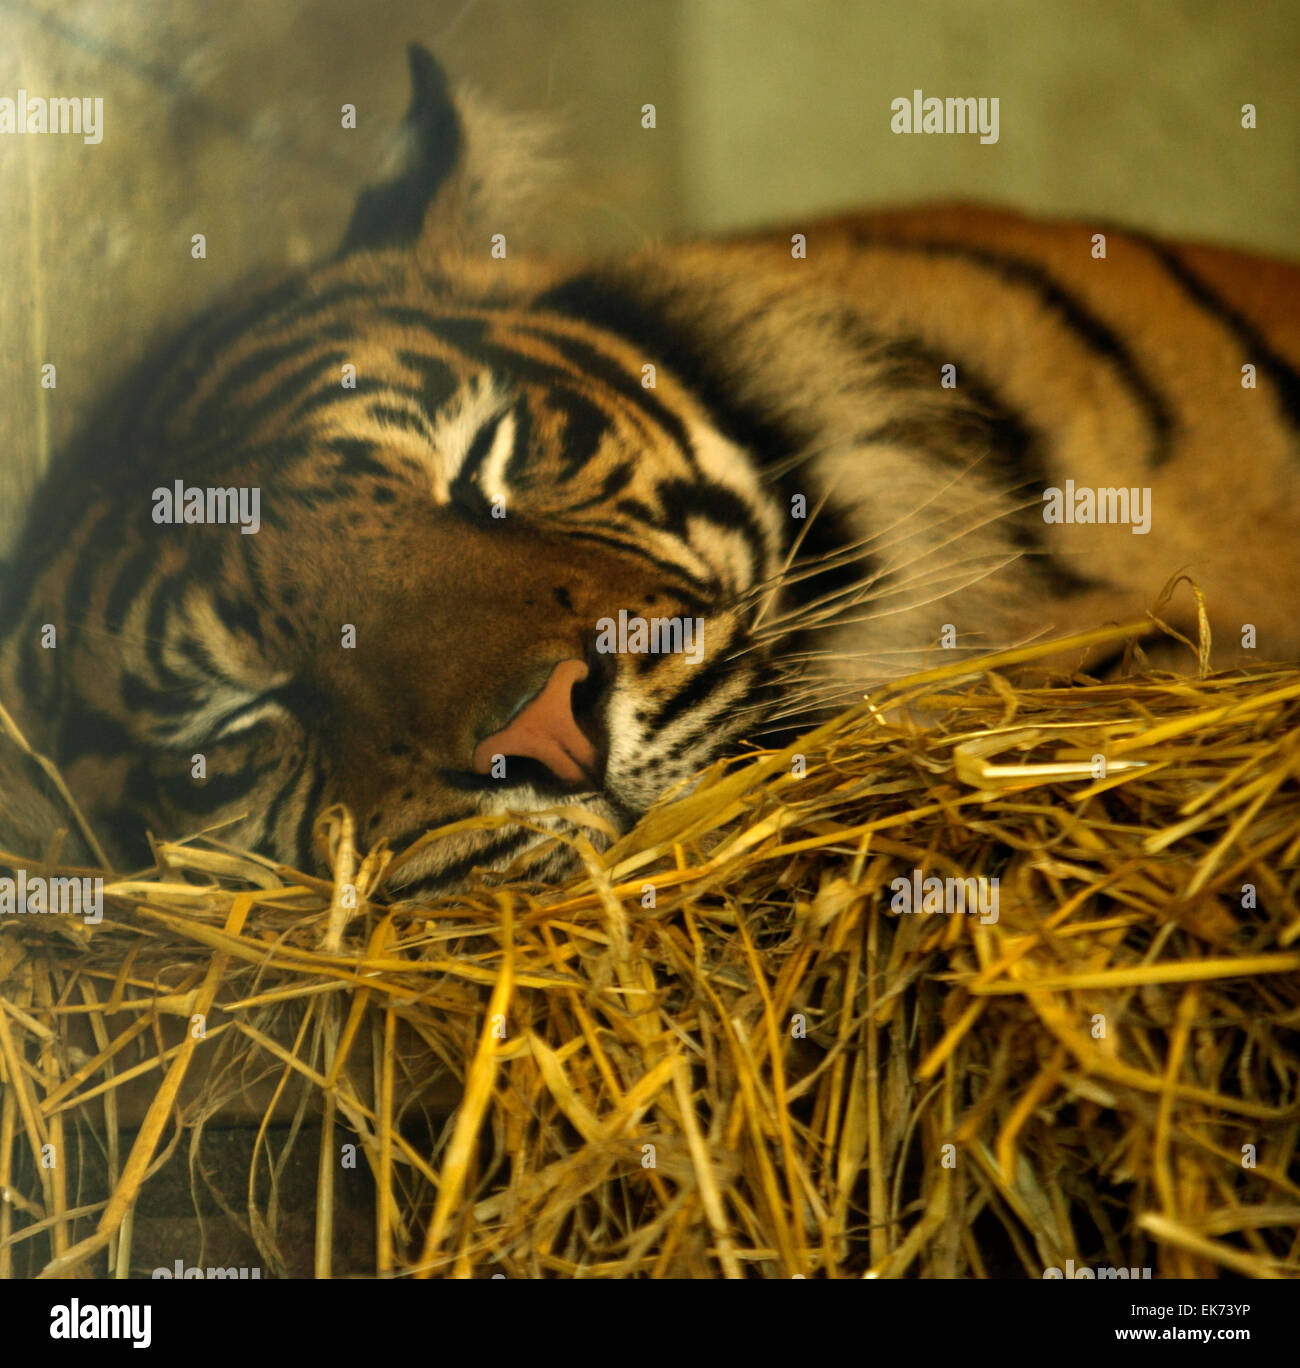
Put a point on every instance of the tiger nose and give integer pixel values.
(545, 729)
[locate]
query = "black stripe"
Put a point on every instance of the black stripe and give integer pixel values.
(517, 465)
(392, 416)
(458, 870)
(89, 732)
(705, 678)
(585, 424)
(198, 655)
(336, 392)
(614, 483)
(238, 617)
(124, 826)
(439, 382)
(252, 574)
(358, 457)
(1281, 373)
(31, 658)
(169, 590)
(271, 811)
(399, 841)
(139, 696)
(242, 374)
(605, 369)
(1095, 334)
(307, 818)
(126, 429)
(127, 583)
(976, 424)
(215, 329)
(289, 303)
(243, 419)
(587, 421)
(676, 573)
(463, 331)
(465, 491)
(681, 500)
(80, 582)
(775, 445)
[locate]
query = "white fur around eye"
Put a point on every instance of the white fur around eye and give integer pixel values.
(454, 428)
(445, 438)
(225, 712)
(229, 680)
(492, 474)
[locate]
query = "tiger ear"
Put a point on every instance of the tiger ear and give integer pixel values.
(394, 213)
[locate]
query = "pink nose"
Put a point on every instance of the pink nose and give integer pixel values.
(545, 729)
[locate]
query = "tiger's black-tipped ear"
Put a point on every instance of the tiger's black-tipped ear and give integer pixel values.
(392, 214)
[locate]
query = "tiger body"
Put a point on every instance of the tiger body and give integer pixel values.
(1119, 372)
(834, 460)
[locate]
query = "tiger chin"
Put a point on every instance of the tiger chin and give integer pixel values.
(440, 528)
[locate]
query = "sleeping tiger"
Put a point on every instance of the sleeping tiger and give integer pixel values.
(438, 529)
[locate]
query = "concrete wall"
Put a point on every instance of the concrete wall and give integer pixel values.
(224, 119)
(1125, 109)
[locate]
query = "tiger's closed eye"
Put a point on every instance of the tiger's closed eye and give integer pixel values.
(481, 478)
(219, 713)
(250, 714)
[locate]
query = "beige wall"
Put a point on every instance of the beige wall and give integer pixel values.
(223, 119)
(1125, 109)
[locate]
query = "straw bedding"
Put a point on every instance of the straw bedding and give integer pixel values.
(723, 1051)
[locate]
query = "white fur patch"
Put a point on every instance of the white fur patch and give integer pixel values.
(454, 428)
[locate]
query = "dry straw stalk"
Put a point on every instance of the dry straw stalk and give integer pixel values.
(720, 1052)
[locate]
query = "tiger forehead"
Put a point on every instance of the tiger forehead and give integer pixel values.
(426, 383)
(283, 362)
(544, 353)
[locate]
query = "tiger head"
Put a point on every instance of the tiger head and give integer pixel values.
(400, 533)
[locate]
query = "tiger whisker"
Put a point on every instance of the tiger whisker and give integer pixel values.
(819, 616)
(852, 550)
(778, 581)
(930, 550)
